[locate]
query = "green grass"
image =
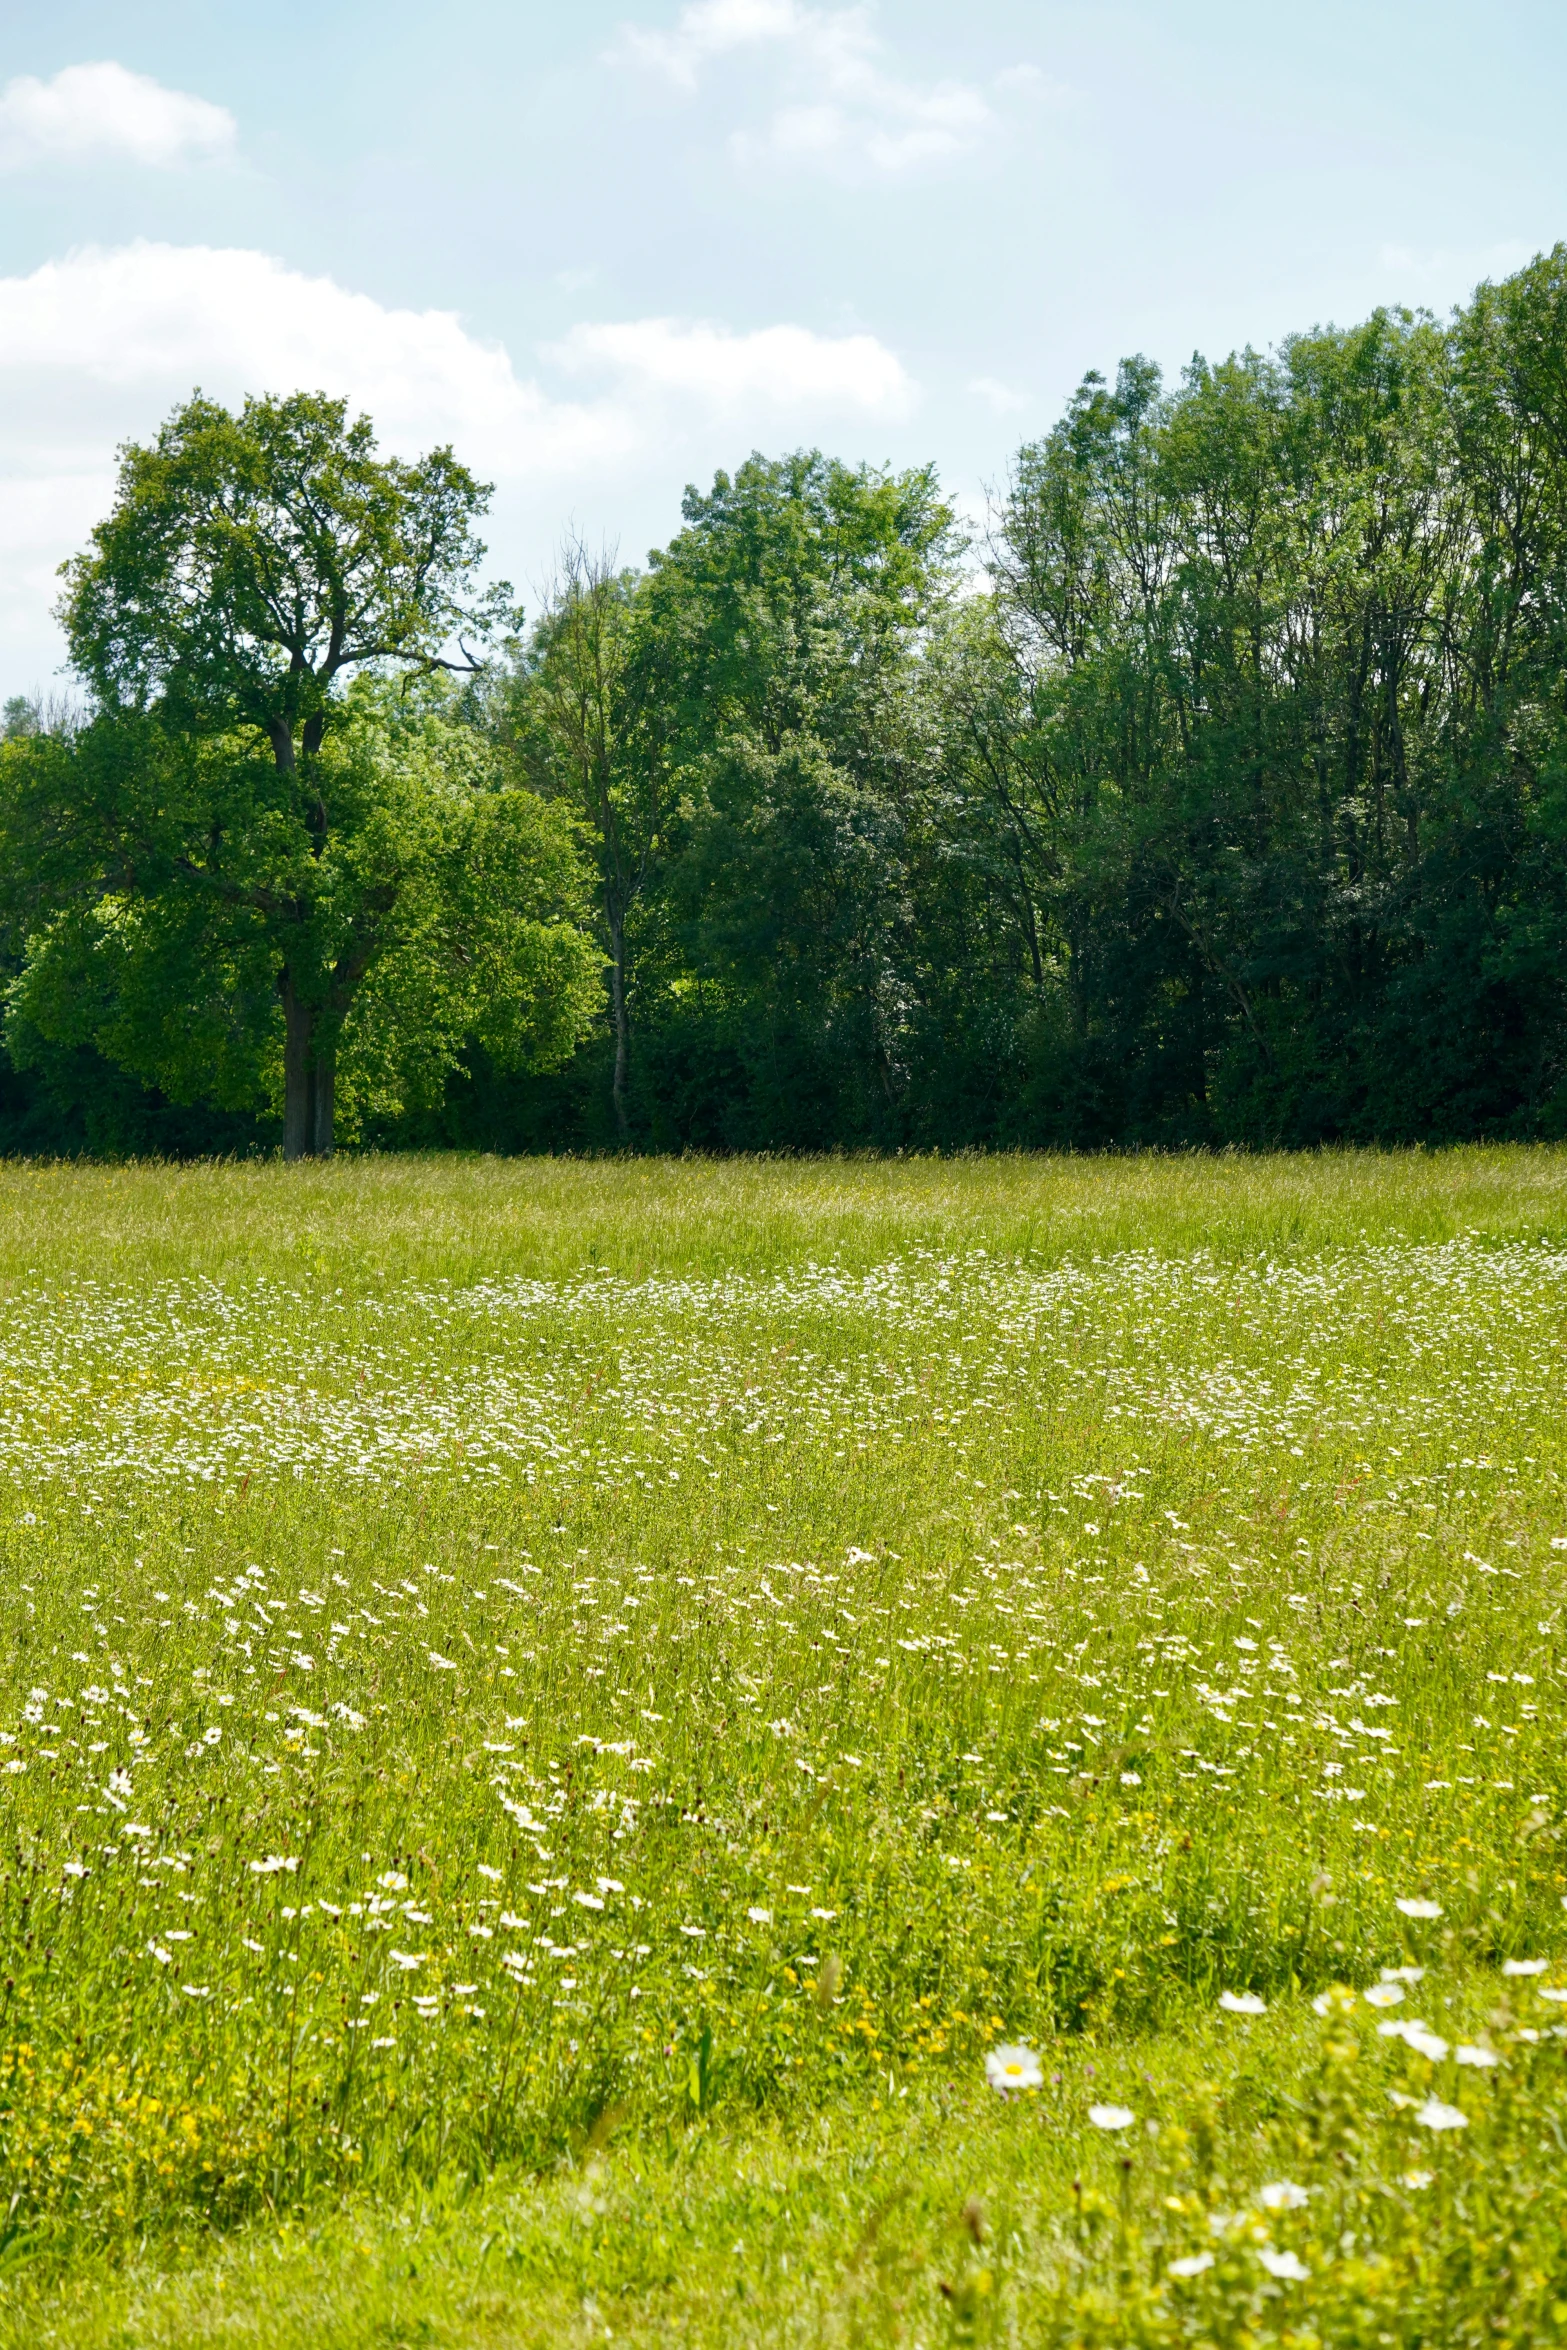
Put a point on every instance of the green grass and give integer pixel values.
(556, 1712)
(370, 1221)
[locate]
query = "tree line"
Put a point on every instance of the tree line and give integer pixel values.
(1217, 795)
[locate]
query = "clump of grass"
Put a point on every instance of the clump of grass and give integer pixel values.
(482, 1698)
(1265, 2187)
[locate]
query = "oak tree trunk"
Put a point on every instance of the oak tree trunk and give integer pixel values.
(309, 1078)
(324, 1092)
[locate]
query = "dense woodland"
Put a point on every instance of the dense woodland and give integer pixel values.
(1218, 796)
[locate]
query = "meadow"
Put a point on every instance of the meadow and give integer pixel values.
(794, 1753)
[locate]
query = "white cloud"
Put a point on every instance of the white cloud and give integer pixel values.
(779, 366)
(1000, 398)
(108, 338)
(841, 107)
(105, 113)
(96, 348)
(710, 28)
(1030, 81)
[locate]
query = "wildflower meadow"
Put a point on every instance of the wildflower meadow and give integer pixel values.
(818, 1752)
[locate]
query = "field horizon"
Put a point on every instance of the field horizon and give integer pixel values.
(383, 1213)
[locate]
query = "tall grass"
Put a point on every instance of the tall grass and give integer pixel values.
(371, 1220)
(505, 1661)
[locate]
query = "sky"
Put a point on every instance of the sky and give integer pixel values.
(606, 248)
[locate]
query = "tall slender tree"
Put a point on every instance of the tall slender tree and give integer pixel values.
(588, 723)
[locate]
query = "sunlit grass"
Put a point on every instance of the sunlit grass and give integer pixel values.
(636, 1677)
(369, 1220)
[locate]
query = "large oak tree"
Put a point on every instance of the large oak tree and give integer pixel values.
(239, 841)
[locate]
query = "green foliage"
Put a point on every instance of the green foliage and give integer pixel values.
(168, 883)
(251, 560)
(1230, 809)
(1253, 618)
(579, 717)
(1232, 813)
(783, 626)
(242, 882)
(784, 605)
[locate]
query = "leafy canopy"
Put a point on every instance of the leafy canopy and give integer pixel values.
(159, 880)
(251, 561)
(258, 860)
